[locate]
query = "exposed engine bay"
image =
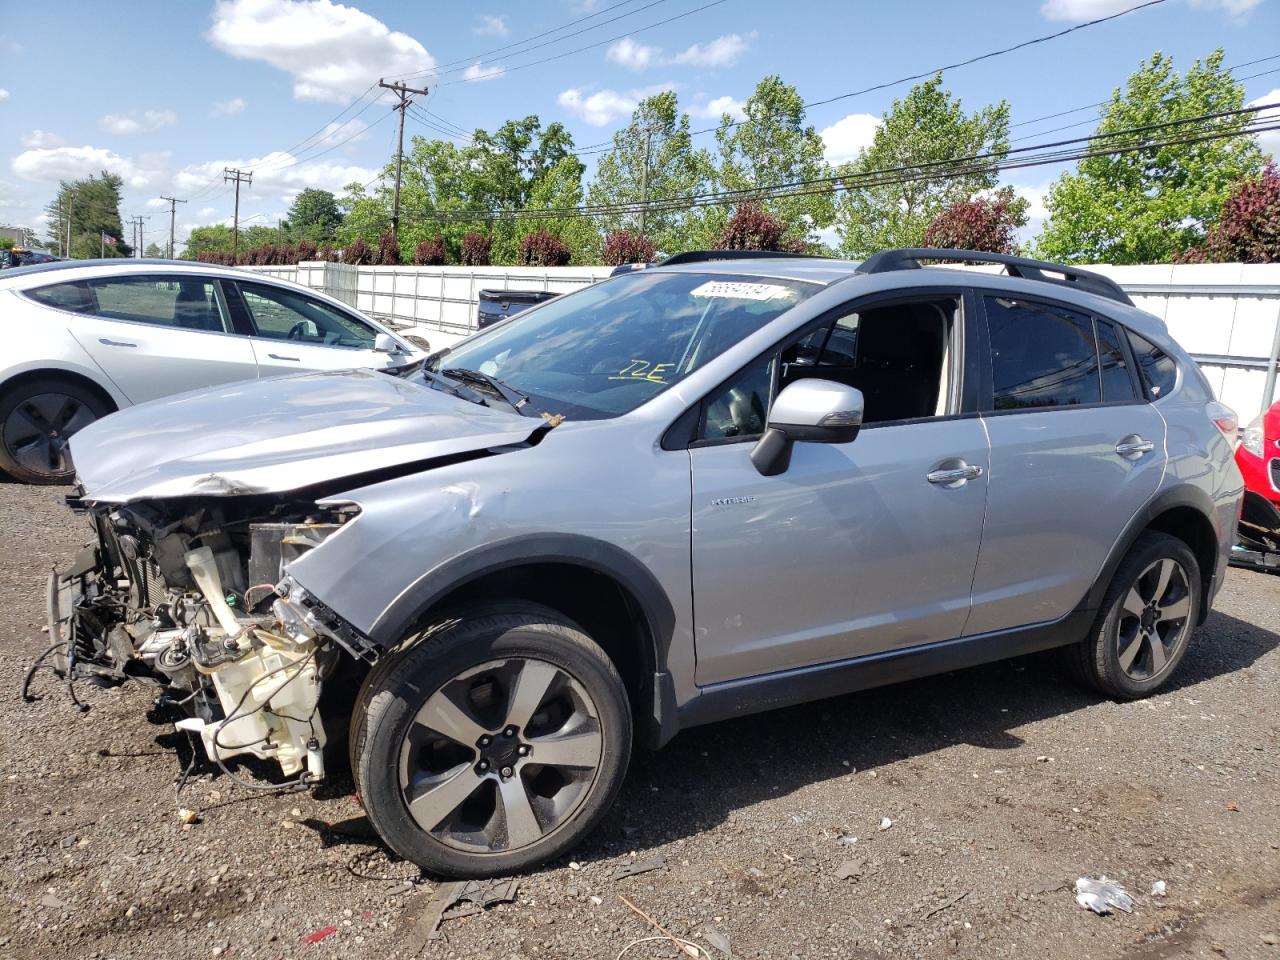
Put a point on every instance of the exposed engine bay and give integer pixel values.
(192, 597)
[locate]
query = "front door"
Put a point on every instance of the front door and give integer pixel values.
(1075, 454)
(856, 548)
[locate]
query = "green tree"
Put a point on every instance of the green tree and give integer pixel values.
(364, 216)
(218, 238)
(658, 135)
(772, 147)
(560, 188)
(313, 215)
(927, 126)
(94, 208)
(1148, 206)
(153, 250)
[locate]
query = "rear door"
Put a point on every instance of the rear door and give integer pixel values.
(294, 332)
(1075, 453)
(157, 335)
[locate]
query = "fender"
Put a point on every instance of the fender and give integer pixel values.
(1184, 495)
(595, 555)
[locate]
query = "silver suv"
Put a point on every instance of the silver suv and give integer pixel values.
(716, 486)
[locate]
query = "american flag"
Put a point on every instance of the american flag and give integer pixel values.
(109, 240)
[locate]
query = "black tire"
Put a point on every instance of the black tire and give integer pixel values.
(449, 654)
(1099, 661)
(37, 416)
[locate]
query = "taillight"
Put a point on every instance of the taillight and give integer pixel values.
(1224, 418)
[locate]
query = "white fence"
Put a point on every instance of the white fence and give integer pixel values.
(1227, 315)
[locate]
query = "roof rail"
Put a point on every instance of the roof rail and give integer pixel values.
(908, 258)
(704, 256)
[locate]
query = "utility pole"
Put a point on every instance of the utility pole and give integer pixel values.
(237, 177)
(649, 131)
(70, 200)
(403, 92)
(173, 216)
(138, 237)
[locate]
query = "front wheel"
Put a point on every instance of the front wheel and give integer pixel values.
(492, 745)
(37, 419)
(1146, 620)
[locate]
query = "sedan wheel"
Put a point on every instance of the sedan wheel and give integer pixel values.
(37, 419)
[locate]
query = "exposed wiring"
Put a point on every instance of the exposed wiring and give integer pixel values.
(31, 672)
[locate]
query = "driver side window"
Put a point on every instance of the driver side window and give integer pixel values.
(899, 355)
(284, 315)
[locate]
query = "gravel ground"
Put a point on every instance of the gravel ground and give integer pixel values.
(1000, 786)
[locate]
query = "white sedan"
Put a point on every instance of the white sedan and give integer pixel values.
(91, 336)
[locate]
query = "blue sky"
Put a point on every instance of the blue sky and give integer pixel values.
(168, 93)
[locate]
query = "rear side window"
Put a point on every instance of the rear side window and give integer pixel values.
(1158, 370)
(1117, 384)
(1042, 355)
(188, 303)
(64, 296)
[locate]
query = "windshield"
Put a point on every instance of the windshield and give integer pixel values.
(605, 350)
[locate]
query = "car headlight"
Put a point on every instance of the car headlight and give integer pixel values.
(1251, 438)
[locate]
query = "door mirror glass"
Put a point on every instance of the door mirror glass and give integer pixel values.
(809, 411)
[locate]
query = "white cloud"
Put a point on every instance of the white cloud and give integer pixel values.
(208, 211)
(41, 138)
(226, 108)
(71, 163)
(155, 203)
(477, 71)
(1270, 139)
(715, 109)
(634, 56)
(720, 52)
(1035, 195)
(849, 136)
(332, 51)
(4, 94)
(127, 124)
(604, 106)
(1079, 10)
(494, 26)
(275, 175)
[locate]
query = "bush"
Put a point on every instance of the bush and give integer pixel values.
(627, 246)
(357, 253)
(327, 254)
(753, 228)
(388, 253)
(306, 250)
(430, 253)
(1248, 229)
(979, 223)
(475, 249)
(542, 248)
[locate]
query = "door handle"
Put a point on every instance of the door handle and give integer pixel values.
(115, 343)
(1133, 446)
(954, 476)
(277, 356)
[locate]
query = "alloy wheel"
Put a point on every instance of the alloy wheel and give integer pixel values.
(1154, 617)
(37, 430)
(501, 755)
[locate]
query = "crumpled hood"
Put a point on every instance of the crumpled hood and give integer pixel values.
(270, 436)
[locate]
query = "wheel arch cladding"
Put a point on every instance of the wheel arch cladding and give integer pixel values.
(1183, 512)
(614, 598)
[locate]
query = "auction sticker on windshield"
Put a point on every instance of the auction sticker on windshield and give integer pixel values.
(737, 290)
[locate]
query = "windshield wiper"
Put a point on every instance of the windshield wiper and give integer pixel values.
(519, 402)
(454, 387)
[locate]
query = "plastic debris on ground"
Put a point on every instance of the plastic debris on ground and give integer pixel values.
(1102, 895)
(1158, 888)
(321, 934)
(637, 867)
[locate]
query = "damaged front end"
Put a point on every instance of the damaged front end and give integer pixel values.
(191, 596)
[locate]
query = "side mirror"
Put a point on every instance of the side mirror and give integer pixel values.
(812, 411)
(386, 343)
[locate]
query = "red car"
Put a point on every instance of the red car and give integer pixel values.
(1258, 457)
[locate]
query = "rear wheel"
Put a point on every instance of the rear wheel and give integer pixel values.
(1146, 621)
(37, 419)
(492, 745)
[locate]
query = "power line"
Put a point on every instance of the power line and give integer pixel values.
(987, 162)
(601, 43)
(403, 93)
(608, 145)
